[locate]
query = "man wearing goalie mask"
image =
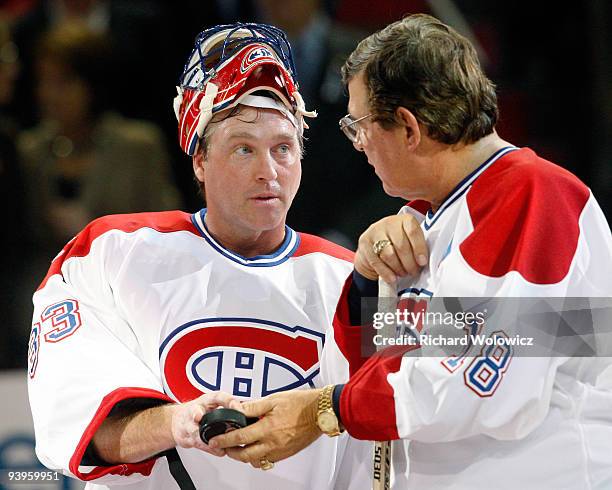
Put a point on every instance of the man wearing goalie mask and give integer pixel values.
(142, 317)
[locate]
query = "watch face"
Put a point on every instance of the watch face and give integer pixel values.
(327, 421)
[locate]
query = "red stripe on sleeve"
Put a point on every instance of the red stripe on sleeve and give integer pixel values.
(367, 405)
(104, 409)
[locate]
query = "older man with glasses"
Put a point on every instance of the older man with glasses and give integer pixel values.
(485, 219)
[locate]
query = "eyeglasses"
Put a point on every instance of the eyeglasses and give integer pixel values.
(349, 127)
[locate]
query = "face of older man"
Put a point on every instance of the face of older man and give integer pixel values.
(391, 152)
(251, 172)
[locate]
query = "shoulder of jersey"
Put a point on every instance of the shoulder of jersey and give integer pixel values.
(312, 244)
(80, 246)
(525, 212)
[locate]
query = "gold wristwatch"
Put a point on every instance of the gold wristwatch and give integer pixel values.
(327, 420)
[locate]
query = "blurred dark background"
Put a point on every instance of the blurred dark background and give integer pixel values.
(87, 126)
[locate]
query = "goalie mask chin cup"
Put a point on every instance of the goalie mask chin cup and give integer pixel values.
(227, 64)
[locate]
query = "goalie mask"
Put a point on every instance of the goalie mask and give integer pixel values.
(228, 64)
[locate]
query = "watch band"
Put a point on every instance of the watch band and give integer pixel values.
(325, 399)
(327, 420)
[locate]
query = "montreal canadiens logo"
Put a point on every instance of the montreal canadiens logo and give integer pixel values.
(249, 358)
(254, 56)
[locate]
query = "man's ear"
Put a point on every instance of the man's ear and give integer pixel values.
(410, 125)
(198, 165)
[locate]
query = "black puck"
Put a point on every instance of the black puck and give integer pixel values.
(220, 421)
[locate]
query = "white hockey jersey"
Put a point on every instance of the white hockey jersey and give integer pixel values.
(518, 226)
(150, 306)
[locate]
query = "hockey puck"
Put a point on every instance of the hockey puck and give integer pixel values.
(222, 420)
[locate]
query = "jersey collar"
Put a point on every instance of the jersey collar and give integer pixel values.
(286, 249)
(463, 186)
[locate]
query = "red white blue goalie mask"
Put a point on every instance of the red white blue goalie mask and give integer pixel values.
(227, 65)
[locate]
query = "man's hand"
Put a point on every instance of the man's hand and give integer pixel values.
(138, 436)
(185, 419)
(405, 255)
(287, 425)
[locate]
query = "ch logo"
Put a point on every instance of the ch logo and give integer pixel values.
(413, 305)
(247, 357)
(257, 54)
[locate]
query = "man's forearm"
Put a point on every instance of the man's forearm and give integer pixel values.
(135, 437)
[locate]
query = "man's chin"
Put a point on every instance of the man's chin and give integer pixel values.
(390, 191)
(266, 218)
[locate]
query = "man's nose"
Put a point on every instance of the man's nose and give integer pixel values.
(266, 168)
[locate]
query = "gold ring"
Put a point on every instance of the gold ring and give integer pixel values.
(378, 246)
(265, 464)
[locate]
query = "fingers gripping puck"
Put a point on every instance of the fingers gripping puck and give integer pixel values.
(222, 420)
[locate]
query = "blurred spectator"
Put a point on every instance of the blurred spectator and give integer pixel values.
(137, 27)
(82, 161)
(13, 245)
(147, 33)
(335, 178)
